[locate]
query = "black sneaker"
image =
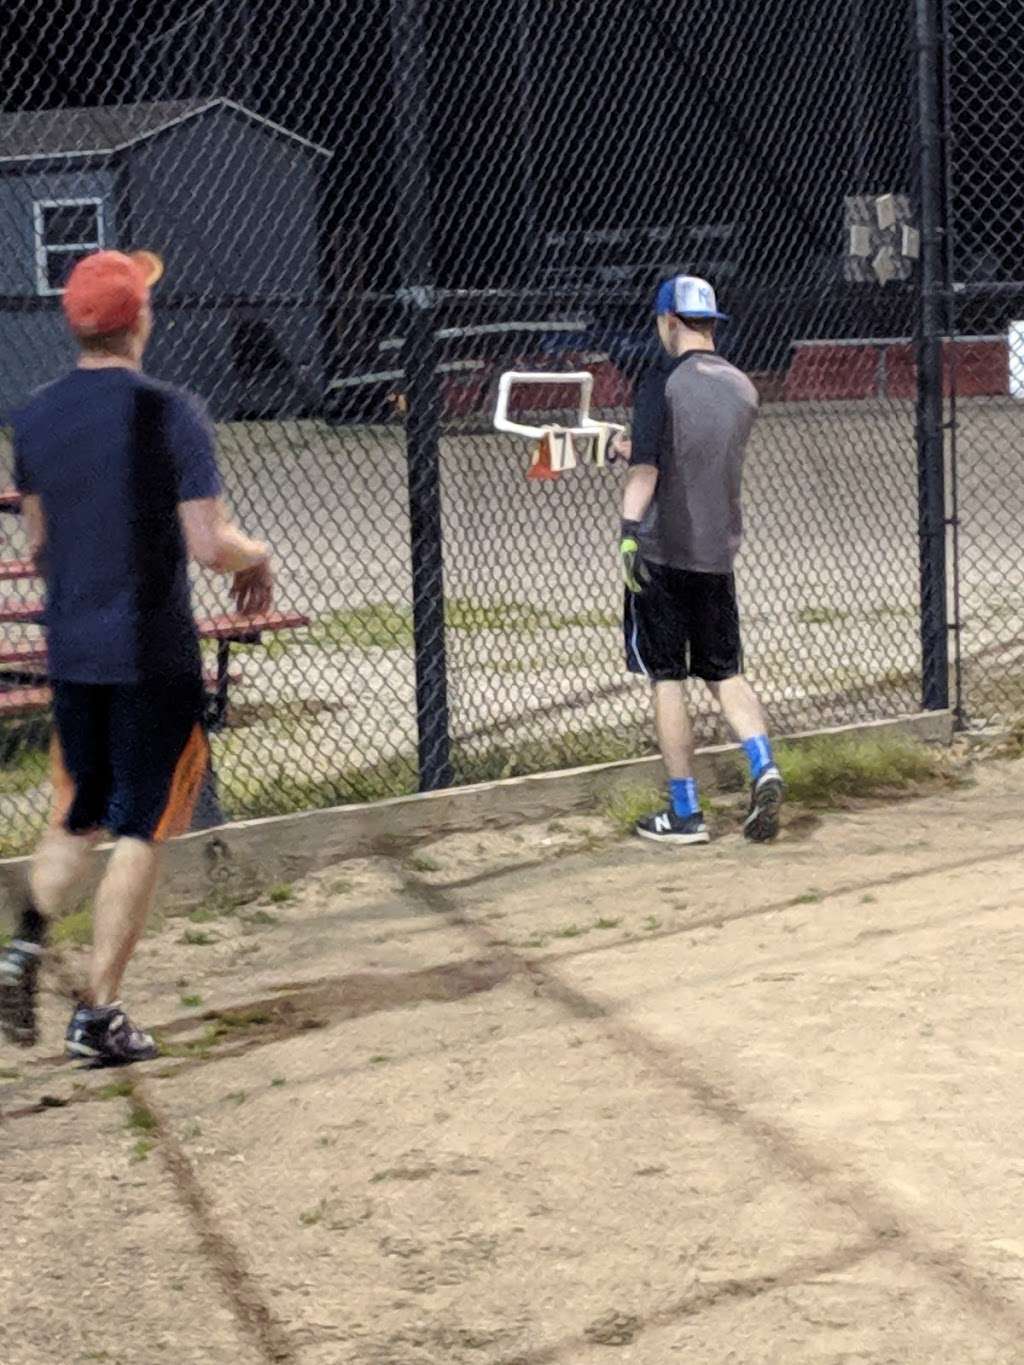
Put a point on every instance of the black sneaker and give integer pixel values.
(19, 975)
(766, 795)
(107, 1037)
(669, 828)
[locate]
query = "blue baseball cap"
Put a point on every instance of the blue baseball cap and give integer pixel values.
(687, 296)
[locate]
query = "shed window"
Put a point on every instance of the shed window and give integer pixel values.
(65, 230)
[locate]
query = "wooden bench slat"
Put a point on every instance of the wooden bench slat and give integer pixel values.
(11, 569)
(234, 627)
(24, 700)
(227, 627)
(20, 613)
(24, 655)
(37, 696)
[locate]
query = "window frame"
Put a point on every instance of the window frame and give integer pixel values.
(44, 250)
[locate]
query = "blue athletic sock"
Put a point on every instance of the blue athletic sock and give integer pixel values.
(759, 755)
(682, 793)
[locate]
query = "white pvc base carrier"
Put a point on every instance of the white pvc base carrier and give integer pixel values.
(557, 447)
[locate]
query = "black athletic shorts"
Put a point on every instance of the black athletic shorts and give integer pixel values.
(129, 759)
(683, 625)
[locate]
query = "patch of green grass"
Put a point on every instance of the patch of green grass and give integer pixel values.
(819, 616)
(535, 941)
(869, 900)
(652, 922)
(140, 1118)
(203, 914)
(141, 1150)
(379, 1059)
(421, 862)
(192, 1130)
(570, 931)
(628, 804)
(28, 768)
(341, 887)
(74, 930)
(9, 1073)
(824, 772)
(261, 918)
(380, 625)
(812, 897)
(280, 791)
(198, 938)
(605, 923)
(310, 1217)
(281, 894)
(192, 1002)
(242, 1018)
(236, 1097)
(277, 1081)
(116, 1090)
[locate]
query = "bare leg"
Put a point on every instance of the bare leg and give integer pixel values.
(741, 707)
(58, 867)
(674, 728)
(122, 905)
(744, 712)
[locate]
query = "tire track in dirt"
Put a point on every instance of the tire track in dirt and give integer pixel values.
(720, 919)
(622, 1329)
(249, 1306)
(946, 1259)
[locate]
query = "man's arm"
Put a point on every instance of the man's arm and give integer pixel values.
(649, 418)
(641, 481)
(214, 541)
(644, 447)
(211, 537)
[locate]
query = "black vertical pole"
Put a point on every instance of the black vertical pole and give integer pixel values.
(949, 281)
(931, 480)
(411, 103)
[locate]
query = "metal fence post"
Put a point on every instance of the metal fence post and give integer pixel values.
(411, 110)
(931, 479)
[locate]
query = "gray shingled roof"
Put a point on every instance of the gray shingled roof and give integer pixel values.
(70, 132)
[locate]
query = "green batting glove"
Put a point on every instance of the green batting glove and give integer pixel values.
(634, 574)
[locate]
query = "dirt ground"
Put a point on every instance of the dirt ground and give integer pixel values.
(554, 1098)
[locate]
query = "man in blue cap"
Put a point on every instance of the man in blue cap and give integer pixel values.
(681, 530)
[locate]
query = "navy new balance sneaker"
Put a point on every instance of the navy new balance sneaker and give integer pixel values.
(107, 1037)
(766, 796)
(669, 828)
(19, 977)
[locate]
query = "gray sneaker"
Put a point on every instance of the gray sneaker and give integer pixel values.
(669, 828)
(766, 796)
(19, 976)
(107, 1037)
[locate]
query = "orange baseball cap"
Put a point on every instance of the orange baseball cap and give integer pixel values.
(106, 291)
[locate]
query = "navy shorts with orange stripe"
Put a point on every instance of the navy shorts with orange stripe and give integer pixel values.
(129, 758)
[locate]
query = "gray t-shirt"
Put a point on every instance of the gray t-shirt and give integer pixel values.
(692, 418)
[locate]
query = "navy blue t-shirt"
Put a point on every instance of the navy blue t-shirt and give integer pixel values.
(111, 453)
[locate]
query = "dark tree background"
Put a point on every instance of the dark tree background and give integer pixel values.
(550, 115)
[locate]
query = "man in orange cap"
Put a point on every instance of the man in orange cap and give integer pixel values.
(120, 488)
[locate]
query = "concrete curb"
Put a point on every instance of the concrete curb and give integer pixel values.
(257, 853)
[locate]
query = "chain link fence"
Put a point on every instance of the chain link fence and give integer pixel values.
(368, 212)
(984, 137)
